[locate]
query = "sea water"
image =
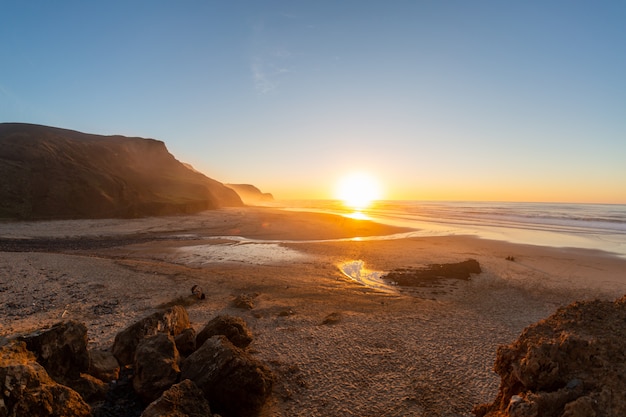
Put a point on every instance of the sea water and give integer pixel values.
(585, 226)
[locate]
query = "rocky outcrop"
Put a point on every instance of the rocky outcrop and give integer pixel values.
(568, 365)
(234, 328)
(234, 382)
(218, 374)
(28, 390)
(184, 399)
(250, 194)
(171, 321)
(47, 172)
(415, 277)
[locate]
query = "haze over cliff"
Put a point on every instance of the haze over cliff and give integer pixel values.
(48, 172)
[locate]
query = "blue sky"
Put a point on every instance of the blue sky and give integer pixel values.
(452, 100)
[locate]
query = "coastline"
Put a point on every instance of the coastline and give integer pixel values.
(424, 352)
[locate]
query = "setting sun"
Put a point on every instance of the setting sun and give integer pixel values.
(358, 190)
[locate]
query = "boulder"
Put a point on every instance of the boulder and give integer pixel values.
(28, 390)
(103, 365)
(234, 328)
(171, 321)
(184, 399)
(186, 342)
(234, 383)
(244, 302)
(90, 388)
(156, 366)
(570, 364)
(61, 350)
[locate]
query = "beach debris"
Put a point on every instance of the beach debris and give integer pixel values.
(182, 399)
(197, 291)
(332, 318)
(234, 328)
(418, 277)
(234, 382)
(571, 364)
(510, 258)
(155, 366)
(171, 321)
(28, 390)
(244, 301)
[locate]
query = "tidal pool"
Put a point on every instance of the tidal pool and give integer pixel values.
(356, 271)
(239, 252)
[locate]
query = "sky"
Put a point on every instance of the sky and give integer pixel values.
(437, 100)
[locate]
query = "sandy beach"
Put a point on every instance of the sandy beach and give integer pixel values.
(338, 347)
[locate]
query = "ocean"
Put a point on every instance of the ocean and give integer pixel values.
(585, 226)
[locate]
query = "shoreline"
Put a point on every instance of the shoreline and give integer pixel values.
(423, 352)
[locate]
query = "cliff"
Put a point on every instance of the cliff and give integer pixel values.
(48, 173)
(251, 194)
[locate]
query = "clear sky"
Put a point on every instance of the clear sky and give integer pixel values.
(439, 100)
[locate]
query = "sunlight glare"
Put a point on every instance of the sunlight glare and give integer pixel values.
(358, 190)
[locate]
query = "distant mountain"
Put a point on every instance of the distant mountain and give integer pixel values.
(251, 194)
(47, 172)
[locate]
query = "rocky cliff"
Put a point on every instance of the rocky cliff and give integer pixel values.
(48, 172)
(251, 194)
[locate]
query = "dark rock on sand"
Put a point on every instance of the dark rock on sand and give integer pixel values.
(235, 383)
(416, 277)
(184, 399)
(234, 328)
(156, 366)
(61, 350)
(244, 302)
(172, 321)
(28, 390)
(48, 172)
(570, 364)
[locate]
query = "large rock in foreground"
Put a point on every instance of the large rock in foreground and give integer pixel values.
(235, 383)
(28, 390)
(47, 172)
(181, 400)
(572, 364)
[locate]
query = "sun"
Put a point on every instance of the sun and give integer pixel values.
(358, 190)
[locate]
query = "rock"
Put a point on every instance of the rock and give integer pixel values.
(332, 318)
(172, 321)
(61, 350)
(186, 342)
(235, 383)
(103, 365)
(417, 277)
(156, 366)
(244, 302)
(90, 388)
(28, 390)
(196, 290)
(184, 399)
(568, 365)
(234, 328)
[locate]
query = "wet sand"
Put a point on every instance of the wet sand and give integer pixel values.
(338, 347)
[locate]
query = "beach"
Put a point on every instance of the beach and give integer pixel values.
(337, 347)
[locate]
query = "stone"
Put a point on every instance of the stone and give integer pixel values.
(186, 342)
(90, 388)
(156, 366)
(28, 390)
(571, 364)
(184, 399)
(103, 365)
(244, 302)
(234, 383)
(171, 321)
(61, 350)
(234, 328)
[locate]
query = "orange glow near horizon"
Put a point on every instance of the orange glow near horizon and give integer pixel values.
(358, 190)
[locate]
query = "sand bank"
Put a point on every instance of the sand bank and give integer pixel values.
(420, 352)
